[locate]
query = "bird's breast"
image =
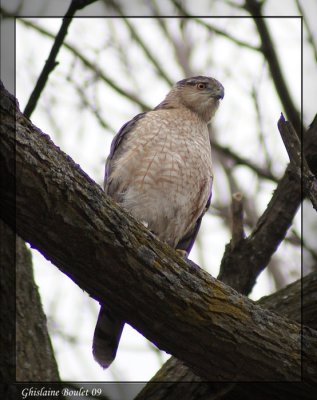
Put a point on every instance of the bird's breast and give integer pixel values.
(166, 173)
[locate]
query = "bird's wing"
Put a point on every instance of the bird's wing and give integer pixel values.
(186, 243)
(116, 148)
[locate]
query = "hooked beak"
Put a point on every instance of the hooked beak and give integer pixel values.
(219, 95)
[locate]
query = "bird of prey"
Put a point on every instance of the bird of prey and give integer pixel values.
(160, 170)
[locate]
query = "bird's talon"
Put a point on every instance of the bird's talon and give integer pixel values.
(182, 253)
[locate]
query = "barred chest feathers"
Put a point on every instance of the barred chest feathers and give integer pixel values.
(166, 172)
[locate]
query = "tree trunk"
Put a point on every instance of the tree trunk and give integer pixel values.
(34, 353)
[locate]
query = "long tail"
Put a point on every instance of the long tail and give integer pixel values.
(106, 337)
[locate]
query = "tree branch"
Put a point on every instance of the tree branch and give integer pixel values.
(211, 28)
(299, 163)
(238, 160)
(51, 62)
(237, 219)
(181, 383)
(119, 262)
(254, 7)
(254, 252)
(100, 74)
(134, 34)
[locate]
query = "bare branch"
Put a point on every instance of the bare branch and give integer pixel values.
(237, 219)
(95, 110)
(255, 97)
(141, 43)
(265, 238)
(293, 147)
(214, 29)
(261, 172)
(121, 90)
(182, 47)
(51, 62)
(254, 7)
(291, 143)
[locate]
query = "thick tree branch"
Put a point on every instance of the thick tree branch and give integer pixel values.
(120, 263)
(183, 384)
(296, 301)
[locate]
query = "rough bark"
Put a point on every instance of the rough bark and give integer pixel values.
(174, 380)
(27, 354)
(7, 315)
(35, 360)
(296, 301)
(118, 262)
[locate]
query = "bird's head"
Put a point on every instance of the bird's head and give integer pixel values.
(200, 94)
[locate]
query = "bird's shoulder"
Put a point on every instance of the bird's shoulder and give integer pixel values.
(124, 131)
(118, 140)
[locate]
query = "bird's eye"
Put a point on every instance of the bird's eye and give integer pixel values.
(201, 86)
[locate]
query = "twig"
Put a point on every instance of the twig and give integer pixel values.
(88, 105)
(51, 62)
(263, 173)
(214, 29)
(298, 162)
(148, 53)
(141, 43)
(237, 219)
(298, 240)
(182, 46)
(90, 65)
(255, 97)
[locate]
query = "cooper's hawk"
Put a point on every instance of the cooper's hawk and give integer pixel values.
(160, 169)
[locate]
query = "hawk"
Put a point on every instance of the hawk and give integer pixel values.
(160, 170)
